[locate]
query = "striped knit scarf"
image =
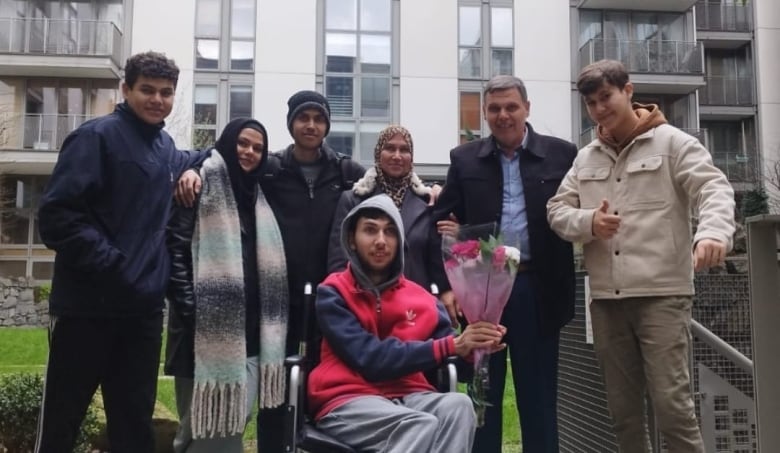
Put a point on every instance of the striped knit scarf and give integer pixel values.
(219, 394)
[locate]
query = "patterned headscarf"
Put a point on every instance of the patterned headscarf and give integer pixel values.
(393, 187)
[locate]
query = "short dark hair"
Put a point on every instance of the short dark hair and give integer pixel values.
(506, 82)
(367, 213)
(150, 64)
(595, 75)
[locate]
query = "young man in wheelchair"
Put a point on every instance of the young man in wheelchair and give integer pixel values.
(381, 332)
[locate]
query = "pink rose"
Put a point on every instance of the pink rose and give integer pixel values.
(450, 263)
(499, 257)
(466, 249)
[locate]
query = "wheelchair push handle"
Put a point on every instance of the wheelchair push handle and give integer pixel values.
(308, 301)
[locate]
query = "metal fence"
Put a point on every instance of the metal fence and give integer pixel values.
(723, 391)
(717, 16)
(722, 90)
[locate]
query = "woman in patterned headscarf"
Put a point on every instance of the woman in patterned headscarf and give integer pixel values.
(393, 174)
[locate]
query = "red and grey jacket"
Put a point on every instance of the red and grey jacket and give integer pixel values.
(377, 339)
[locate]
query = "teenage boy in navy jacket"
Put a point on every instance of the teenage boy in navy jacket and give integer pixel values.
(104, 212)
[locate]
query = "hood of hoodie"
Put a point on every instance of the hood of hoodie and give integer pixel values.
(649, 116)
(385, 204)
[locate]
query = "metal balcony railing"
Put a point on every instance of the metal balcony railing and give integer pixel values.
(738, 166)
(722, 90)
(649, 56)
(43, 132)
(60, 37)
(589, 135)
(700, 134)
(716, 16)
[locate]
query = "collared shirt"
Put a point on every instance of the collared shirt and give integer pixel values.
(514, 218)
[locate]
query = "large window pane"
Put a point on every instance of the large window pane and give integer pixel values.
(242, 19)
(502, 62)
(343, 142)
(240, 101)
(242, 55)
(203, 138)
(340, 52)
(367, 145)
(42, 270)
(470, 112)
(375, 54)
(340, 94)
(375, 97)
(470, 64)
(207, 18)
(341, 14)
(501, 27)
(469, 28)
(205, 104)
(207, 53)
(13, 269)
(590, 26)
(375, 15)
(15, 226)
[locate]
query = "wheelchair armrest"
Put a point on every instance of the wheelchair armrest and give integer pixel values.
(452, 373)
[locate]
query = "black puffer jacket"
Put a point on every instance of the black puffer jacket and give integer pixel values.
(305, 217)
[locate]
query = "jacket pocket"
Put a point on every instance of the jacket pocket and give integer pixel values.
(647, 185)
(593, 185)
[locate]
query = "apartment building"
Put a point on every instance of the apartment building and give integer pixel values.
(422, 64)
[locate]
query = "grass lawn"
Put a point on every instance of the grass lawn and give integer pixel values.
(26, 350)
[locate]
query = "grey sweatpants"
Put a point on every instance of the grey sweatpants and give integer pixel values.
(425, 422)
(184, 443)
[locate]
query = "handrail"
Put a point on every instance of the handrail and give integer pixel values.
(725, 349)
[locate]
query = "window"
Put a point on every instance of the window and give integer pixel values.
(485, 49)
(358, 79)
(22, 253)
(224, 64)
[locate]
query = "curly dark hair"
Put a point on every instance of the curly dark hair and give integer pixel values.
(150, 64)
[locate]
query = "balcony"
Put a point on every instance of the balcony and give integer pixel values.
(676, 6)
(738, 167)
(71, 48)
(723, 25)
(727, 98)
(662, 67)
(37, 132)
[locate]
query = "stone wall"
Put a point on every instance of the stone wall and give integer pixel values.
(18, 307)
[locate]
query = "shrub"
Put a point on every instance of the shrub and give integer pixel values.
(42, 292)
(755, 202)
(20, 402)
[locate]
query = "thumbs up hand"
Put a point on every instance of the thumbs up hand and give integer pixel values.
(605, 225)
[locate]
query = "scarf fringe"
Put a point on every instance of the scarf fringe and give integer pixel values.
(271, 392)
(218, 410)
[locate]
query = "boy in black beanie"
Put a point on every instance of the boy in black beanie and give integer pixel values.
(303, 184)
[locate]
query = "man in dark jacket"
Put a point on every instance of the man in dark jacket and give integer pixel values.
(104, 212)
(303, 184)
(507, 178)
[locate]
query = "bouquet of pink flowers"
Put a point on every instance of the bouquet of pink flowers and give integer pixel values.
(481, 271)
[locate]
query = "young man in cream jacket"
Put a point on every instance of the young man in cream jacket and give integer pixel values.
(628, 198)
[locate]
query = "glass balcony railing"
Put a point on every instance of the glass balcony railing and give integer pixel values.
(41, 132)
(738, 167)
(661, 57)
(60, 37)
(722, 90)
(716, 16)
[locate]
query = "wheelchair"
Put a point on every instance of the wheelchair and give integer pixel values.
(300, 431)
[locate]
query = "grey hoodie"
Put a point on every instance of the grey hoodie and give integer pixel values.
(385, 204)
